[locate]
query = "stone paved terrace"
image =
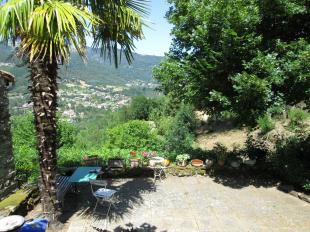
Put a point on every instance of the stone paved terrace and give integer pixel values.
(191, 204)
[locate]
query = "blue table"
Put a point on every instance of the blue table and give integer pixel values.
(85, 174)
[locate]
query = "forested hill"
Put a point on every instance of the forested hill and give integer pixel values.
(84, 88)
(96, 71)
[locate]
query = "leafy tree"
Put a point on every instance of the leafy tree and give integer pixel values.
(47, 30)
(240, 56)
(135, 135)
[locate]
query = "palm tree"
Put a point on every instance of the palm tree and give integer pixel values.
(45, 31)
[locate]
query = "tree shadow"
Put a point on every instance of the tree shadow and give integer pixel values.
(239, 180)
(129, 227)
(129, 195)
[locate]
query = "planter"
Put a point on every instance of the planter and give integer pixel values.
(145, 163)
(249, 162)
(182, 163)
(221, 163)
(165, 163)
(134, 163)
(197, 163)
(235, 164)
(155, 160)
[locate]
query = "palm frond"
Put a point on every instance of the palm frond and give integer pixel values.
(121, 25)
(14, 16)
(48, 29)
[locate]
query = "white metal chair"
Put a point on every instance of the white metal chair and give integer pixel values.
(102, 194)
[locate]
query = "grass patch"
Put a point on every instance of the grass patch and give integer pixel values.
(14, 199)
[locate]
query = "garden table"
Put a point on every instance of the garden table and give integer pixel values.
(85, 174)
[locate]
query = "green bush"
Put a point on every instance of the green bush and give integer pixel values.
(307, 186)
(134, 135)
(291, 160)
(297, 117)
(265, 124)
(164, 124)
(220, 152)
(24, 145)
(24, 148)
(66, 133)
(256, 148)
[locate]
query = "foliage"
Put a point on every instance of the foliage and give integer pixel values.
(297, 117)
(291, 160)
(307, 186)
(256, 148)
(221, 151)
(109, 135)
(134, 135)
(237, 56)
(182, 157)
(265, 124)
(66, 133)
(24, 148)
(24, 145)
(140, 108)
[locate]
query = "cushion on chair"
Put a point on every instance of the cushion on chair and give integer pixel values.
(102, 192)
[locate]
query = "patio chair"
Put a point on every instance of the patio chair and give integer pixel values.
(102, 194)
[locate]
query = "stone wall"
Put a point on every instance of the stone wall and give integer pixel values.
(7, 173)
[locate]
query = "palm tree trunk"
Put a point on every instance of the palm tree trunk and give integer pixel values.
(44, 97)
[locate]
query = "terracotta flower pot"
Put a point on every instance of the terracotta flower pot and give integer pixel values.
(221, 162)
(197, 163)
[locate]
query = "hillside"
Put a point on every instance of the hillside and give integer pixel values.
(94, 86)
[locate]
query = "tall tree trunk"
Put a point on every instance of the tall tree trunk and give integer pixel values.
(44, 97)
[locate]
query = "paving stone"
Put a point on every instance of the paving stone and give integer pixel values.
(198, 204)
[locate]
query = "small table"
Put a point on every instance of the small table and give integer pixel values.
(85, 174)
(11, 223)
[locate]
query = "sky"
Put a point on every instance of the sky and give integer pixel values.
(157, 39)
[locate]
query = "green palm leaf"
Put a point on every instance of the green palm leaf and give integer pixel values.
(48, 29)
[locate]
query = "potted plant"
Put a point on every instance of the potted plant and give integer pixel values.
(145, 158)
(182, 159)
(134, 161)
(221, 153)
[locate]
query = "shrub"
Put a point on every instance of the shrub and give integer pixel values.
(66, 133)
(178, 139)
(220, 151)
(134, 135)
(256, 148)
(24, 145)
(307, 186)
(265, 124)
(187, 117)
(297, 117)
(164, 124)
(24, 148)
(291, 160)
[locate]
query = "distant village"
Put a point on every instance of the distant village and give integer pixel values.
(75, 97)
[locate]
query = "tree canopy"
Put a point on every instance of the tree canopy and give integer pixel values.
(242, 56)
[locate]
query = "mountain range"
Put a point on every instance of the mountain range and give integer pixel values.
(95, 71)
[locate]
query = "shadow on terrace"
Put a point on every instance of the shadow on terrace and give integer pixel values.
(129, 195)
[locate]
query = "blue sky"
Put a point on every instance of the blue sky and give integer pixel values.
(157, 39)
